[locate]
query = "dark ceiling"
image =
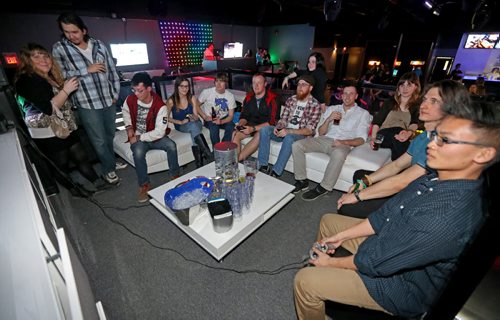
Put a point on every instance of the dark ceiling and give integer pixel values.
(342, 15)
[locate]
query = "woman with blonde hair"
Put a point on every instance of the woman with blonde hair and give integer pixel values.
(397, 120)
(45, 93)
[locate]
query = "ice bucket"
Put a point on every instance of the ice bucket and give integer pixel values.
(184, 200)
(226, 161)
(187, 216)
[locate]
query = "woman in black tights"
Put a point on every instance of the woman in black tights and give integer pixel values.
(40, 83)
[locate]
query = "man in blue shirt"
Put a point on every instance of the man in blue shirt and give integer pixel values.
(396, 175)
(404, 253)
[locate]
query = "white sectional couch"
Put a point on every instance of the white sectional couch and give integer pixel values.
(157, 159)
(361, 157)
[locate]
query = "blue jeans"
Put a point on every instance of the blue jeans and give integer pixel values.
(214, 131)
(192, 127)
(266, 135)
(139, 150)
(100, 127)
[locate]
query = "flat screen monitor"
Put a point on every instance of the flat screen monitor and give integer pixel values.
(233, 50)
(130, 54)
(482, 41)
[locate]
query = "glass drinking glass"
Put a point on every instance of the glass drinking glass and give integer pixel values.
(250, 165)
(378, 141)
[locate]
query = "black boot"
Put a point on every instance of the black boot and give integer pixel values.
(205, 149)
(198, 159)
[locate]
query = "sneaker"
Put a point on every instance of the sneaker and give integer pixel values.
(275, 175)
(121, 165)
(265, 169)
(300, 185)
(143, 193)
(314, 193)
(111, 178)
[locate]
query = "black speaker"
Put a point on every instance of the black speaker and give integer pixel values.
(332, 9)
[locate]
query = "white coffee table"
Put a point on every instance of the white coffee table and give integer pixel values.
(270, 195)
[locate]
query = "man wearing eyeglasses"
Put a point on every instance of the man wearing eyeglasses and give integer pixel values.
(299, 119)
(146, 120)
(376, 187)
(404, 253)
(343, 127)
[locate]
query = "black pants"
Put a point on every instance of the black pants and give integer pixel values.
(361, 209)
(397, 147)
(63, 152)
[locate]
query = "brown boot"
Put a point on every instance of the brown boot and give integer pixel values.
(143, 193)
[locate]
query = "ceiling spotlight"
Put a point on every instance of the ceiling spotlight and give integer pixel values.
(428, 4)
(436, 11)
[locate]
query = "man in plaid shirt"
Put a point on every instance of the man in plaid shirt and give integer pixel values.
(298, 120)
(82, 56)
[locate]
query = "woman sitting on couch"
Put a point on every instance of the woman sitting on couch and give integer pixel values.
(184, 115)
(397, 120)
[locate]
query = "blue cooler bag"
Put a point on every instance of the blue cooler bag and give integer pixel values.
(199, 188)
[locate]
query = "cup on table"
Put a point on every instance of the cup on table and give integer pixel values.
(337, 121)
(250, 165)
(378, 141)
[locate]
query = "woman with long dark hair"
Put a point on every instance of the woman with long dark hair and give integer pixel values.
(397, 120)
(315, 68)
(183, 111)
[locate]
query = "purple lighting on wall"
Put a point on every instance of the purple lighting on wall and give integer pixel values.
(184, 43)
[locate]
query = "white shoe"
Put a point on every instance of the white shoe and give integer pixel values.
(111, 178)
(121, 165)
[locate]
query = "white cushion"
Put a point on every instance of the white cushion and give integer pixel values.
(360, 157)
(157, 159)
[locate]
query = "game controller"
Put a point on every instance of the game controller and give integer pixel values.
(321, 247)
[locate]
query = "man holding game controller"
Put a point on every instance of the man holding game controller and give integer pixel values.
(260, 109)
(299, 120)
(404, 252)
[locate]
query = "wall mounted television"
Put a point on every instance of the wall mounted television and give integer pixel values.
(233, 50)
(130, 54)
(482, 41)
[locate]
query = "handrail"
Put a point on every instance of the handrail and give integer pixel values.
(159, 81)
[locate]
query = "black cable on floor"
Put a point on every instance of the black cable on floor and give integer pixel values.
(291, 266)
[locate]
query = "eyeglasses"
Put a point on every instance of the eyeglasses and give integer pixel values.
(441, 141)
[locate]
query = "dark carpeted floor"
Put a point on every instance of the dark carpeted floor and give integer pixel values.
(141, 266)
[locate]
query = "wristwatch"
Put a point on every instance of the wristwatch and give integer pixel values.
(356, 194)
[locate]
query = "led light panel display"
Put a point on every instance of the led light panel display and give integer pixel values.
(184, 42)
